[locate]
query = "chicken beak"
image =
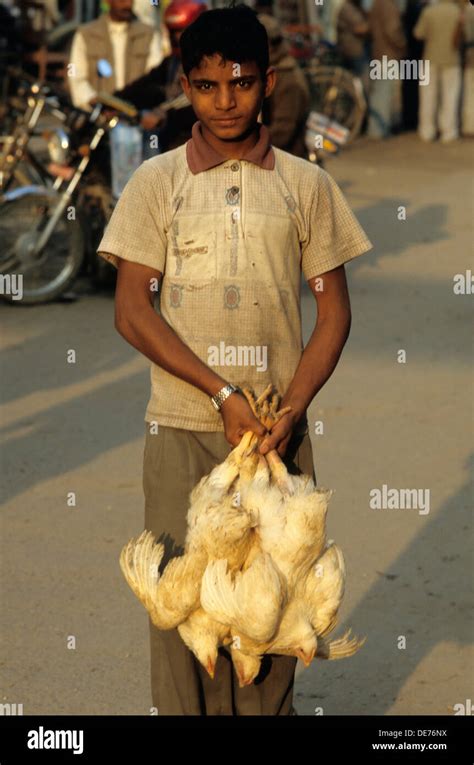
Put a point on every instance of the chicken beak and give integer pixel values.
(243, 681)
(306, 658)
(210, 668)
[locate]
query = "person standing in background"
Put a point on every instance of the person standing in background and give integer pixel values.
(466, 36)
(410, 94)
(286, 110)
(438, 27)
(163, 83)
(152, 15)
(352, 32)
(132, 48)
(388, 40)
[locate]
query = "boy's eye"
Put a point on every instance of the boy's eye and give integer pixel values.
(244, 84)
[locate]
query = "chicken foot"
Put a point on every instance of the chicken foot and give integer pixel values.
(268, 416)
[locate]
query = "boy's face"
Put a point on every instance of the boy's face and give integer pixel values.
(227, 99)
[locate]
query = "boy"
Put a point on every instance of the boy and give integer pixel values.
(225, 224)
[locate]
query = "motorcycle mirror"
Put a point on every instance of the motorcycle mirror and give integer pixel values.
(104, 68)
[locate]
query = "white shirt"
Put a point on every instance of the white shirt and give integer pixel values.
(81, 89)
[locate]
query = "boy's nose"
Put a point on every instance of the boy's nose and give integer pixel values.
(225, 99)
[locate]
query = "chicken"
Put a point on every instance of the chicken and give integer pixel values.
(203, 636)
(217, 523)
(247, 667)
(168, 598)
(226, 532)
(250, 602)
(209, 493)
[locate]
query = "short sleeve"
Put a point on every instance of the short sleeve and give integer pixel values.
(333, 233)
(136, 230)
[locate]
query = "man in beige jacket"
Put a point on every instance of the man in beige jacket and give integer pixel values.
(132, 49)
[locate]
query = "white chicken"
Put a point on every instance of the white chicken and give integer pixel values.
(203, 635)
(249, 601)
(168, 598)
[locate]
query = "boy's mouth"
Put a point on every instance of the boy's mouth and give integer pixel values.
(226, 121)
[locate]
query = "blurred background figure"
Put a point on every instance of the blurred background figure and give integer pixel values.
(131, 47)
(438, 27)
(388, 39)
(352, 36)
(410, 89)
(152, 14)
(163, 83)
(466, 36)
(285, 112)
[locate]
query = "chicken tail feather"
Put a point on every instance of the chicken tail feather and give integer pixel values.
(340, 648)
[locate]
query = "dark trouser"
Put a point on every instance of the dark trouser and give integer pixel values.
(174, 461)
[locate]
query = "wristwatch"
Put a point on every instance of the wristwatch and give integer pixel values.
(221, 395)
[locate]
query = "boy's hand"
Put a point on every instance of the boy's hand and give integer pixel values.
(238, 419)
(280, 434)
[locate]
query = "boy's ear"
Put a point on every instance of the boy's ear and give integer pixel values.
(185, 84)
(270, 82)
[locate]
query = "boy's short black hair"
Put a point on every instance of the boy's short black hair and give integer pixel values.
(234, 32)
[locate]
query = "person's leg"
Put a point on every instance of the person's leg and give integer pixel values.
(380, 109)
(450, 91)
(468, 102)
(174, 461)
(428, 99)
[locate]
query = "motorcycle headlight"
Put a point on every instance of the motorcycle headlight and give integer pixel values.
(58, 146)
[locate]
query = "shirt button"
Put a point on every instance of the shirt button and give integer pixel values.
(234, 166)
(232, 195)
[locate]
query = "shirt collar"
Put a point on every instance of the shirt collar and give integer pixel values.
(117, 26)
(202, 156)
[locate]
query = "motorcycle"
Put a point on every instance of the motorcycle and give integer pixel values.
(338, 104)
(49, 232)
(19, 166)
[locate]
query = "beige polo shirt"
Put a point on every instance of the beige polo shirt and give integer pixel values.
(231, 238)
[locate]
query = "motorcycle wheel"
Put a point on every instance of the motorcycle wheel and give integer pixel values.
(336, 93)
(21, 222)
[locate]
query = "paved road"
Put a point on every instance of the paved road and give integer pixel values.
(76, 639)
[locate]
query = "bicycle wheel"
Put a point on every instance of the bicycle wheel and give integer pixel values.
(46, 277)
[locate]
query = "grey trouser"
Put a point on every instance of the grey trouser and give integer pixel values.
(174, 461)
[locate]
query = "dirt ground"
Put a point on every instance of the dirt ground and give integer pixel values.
(79, 428)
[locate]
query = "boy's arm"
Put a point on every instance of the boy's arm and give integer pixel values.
(137, 321)
(332, 237)
(319, 358)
